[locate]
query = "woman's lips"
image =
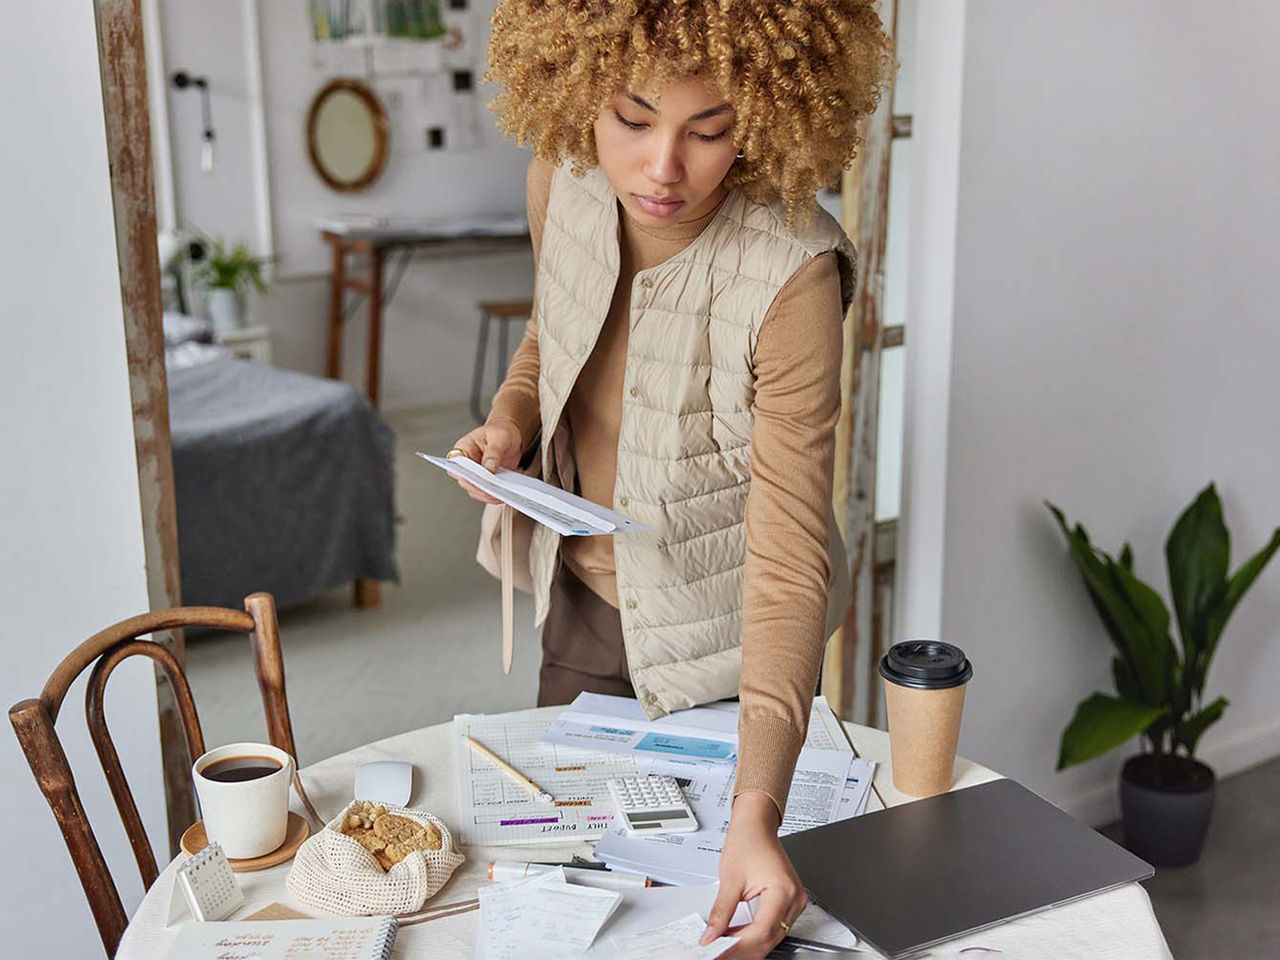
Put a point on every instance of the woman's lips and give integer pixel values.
(658, 208)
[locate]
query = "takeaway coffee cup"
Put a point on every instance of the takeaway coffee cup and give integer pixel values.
(244, 797)
(924, 684)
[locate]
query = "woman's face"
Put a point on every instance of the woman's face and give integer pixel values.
(667, 160)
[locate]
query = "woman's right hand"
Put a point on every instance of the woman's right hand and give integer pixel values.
(493, 445)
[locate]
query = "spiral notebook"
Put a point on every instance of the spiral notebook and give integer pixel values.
(331, 938)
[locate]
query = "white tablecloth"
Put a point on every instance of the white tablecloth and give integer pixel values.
(1119, 923)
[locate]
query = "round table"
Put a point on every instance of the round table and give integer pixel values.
(1119, 923)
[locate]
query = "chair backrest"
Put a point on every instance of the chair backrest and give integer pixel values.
(33, 721)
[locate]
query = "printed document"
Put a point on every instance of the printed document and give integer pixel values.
(493, 809)
(823, 780)
(567, 514)
(596, 721)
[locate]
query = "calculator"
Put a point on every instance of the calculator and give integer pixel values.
(652, 804)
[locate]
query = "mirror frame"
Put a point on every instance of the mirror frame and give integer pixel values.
(381, 134)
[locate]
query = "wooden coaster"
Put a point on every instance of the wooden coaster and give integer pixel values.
(195, 840)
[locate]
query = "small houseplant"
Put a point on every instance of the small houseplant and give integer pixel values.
(227, 272)
(1166, 795)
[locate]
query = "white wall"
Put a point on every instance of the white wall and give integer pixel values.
(1110, 345)
(71, 553)
(429, 330)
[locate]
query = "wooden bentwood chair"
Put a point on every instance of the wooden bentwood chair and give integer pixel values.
(33, 721)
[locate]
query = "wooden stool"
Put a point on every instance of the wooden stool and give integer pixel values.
(504, 311)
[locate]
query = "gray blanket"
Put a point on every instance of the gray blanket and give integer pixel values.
(284, 483)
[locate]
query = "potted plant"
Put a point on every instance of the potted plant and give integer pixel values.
(227, 272)
(1166, 795)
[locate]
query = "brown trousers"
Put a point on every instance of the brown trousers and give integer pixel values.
(582, 649)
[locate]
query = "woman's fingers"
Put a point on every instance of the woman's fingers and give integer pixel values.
(475, 493)
(727, 900)
(765, 932)
(469, 447)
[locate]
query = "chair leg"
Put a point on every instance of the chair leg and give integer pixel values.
(482, 345)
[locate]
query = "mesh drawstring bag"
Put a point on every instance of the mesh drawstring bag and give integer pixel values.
(334, 873)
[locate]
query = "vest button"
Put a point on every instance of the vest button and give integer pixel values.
(633, 392)
(623, 501)
(631, 604)
(646, 281)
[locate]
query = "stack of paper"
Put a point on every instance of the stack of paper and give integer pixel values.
(541, 916)
(565, 513)
(677, 940)
(828, 786)
(699, 748)
(545, 916)
(493, 809)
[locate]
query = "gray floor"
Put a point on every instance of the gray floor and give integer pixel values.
(432, 650)
(1228, 904)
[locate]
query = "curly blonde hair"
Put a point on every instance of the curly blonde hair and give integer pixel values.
(800, 75)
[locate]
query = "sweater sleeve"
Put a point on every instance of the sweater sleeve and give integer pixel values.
(784, 603)
(517, 399)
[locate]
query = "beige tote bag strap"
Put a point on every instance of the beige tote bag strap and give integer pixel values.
(508, 588)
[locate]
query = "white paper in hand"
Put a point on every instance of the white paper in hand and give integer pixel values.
(567, 514)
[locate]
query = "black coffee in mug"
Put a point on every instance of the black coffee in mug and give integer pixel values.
(237, 769)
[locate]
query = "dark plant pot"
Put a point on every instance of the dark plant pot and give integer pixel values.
(1166, 803)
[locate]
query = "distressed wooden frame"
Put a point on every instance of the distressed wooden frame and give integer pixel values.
(122, 63)
(852, 652)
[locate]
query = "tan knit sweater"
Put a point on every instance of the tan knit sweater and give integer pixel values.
(797, 366)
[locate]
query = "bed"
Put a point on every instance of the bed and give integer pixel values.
(284, 482)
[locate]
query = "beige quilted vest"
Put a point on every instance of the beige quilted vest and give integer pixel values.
(685, 439)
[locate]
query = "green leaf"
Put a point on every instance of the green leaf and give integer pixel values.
(1133, 613)
(1197, 553)
(1126, 684)
(1093, 571)
(1102, 723)
(1126, 557)
(1222, 606)
(1154, 652)
(1188, 732)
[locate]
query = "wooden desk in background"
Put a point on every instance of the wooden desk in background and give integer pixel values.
(376, 239)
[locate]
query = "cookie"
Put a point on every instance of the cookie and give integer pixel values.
(388, 837)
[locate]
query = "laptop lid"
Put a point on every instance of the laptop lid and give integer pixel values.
(911, 876)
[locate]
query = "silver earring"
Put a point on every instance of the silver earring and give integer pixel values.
(740, 154)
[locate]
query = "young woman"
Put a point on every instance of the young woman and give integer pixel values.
(682, 364)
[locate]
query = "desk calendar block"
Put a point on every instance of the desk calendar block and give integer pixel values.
(205, 887)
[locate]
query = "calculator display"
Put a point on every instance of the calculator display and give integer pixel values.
(655, 815)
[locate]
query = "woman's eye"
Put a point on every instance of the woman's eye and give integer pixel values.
(627, 123)
(712, 138)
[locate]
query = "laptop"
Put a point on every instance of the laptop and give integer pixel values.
(906, 878)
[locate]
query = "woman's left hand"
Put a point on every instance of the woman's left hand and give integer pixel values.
(754, 864)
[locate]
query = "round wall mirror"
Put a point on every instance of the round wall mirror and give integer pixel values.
(347, 135)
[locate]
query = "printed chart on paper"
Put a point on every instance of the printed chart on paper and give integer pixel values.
(495, 809)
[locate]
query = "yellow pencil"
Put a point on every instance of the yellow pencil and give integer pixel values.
(539, 794)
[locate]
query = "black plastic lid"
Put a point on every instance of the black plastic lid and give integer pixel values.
(926, 665)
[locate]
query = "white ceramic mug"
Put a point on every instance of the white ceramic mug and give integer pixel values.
(248, 818)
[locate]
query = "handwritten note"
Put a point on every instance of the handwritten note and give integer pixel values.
(541, 916)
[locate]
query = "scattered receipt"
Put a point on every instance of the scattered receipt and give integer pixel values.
(541, 916)
(677, 940)
(567, 514)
